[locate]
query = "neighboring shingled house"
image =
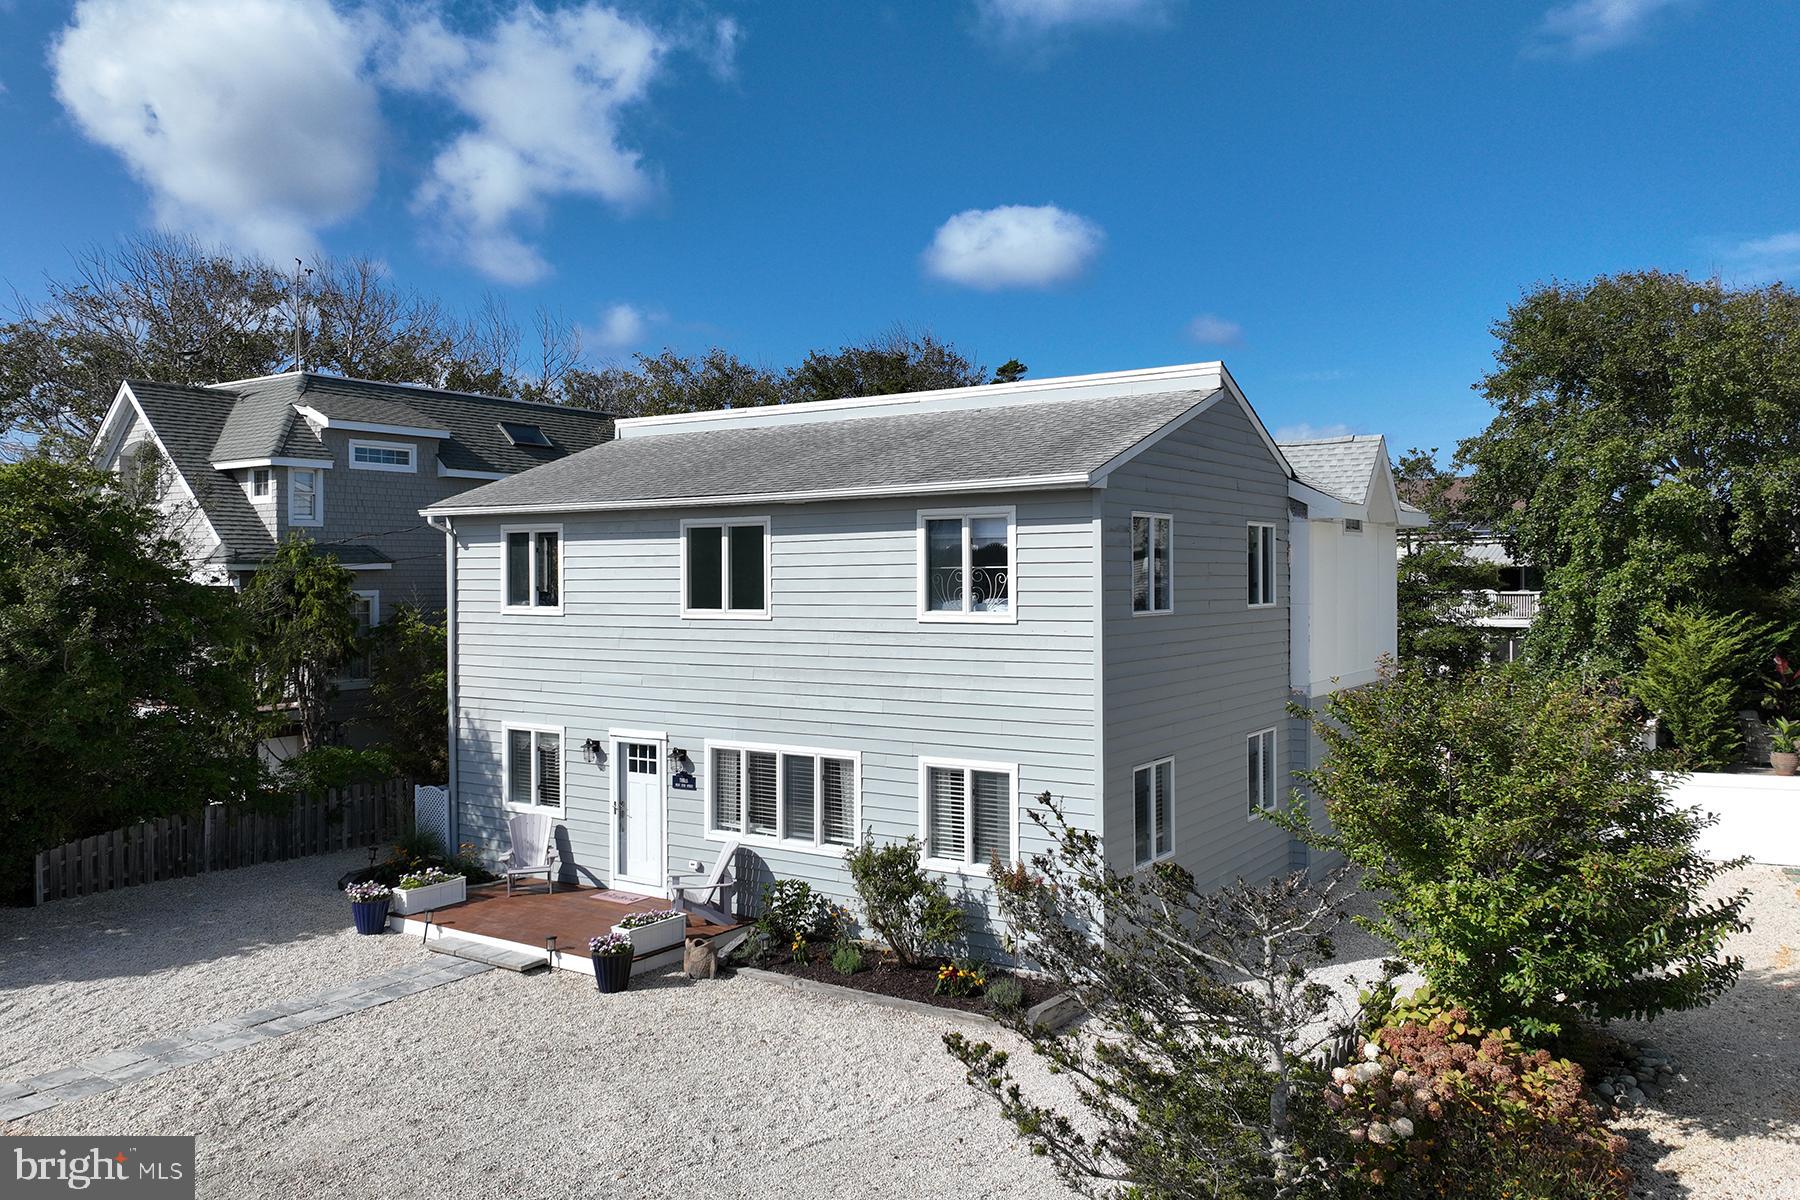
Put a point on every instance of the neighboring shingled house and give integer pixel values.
(346, 462)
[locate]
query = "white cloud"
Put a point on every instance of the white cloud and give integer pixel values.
(247, 120)
(1306, 431)
(1034, 18)
(1211, 330)
(545, 93)
(1013, 246)
(1762, 260)
(1582, 28)
(622, 327)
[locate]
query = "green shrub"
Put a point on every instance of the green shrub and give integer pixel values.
(1005, 994)
(792, 912)
(1528, 861)
(909, 909)
(1444, 1107)
(1695, 666)
(846, 958)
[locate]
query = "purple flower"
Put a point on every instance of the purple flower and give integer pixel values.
(638, 920)
(608, 944)
(362, 893)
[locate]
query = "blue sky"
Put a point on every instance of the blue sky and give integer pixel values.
(1336, 199)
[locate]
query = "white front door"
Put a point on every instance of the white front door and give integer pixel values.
(638, 816)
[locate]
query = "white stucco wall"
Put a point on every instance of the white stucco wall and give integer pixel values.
(1759, 816)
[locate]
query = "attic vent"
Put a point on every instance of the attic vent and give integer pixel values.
(1352, 525)
(523, 435)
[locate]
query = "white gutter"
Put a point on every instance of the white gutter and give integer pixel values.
(1032, 483)
(450, 669)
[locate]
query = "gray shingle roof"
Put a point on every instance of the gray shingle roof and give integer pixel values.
(1341, 466)
(909, 452)
(255, 419)
(188, 421)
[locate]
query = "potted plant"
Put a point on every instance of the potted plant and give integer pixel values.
(1784, 753)
(653, 931)
(433, 887)
(612, 961)
(369, 906)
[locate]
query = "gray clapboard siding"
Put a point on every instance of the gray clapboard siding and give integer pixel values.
(844, 664)
(1193, 684)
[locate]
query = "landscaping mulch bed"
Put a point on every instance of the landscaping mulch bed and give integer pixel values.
(906, 983)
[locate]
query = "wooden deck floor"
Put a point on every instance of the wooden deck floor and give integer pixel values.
(531, 915)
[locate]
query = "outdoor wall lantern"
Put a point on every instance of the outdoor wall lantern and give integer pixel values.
(593, 750)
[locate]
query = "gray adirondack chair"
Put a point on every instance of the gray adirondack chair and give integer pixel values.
(532, 850)
(705, 899)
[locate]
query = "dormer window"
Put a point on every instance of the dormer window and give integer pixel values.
(262, 485)
(522, 434)
(382, 456)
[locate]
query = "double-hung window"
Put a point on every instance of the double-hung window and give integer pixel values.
(1261, 580)
(1151, 785)
(381, 456)
(366, 608)
(966, 566)
(262, 485)
(725, 568)
(306, 504)
(1259, 761)
(1152, 563)
(533, 570)
(805, 799)
(969, 814)
(533, 771)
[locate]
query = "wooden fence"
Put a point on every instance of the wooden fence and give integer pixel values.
(222, 837)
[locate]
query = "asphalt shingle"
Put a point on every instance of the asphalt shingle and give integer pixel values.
(1341, 466)
(904, 452)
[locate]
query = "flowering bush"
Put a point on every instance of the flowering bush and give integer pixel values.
(1443, 1107)
(365, 893)
(960, 979)
(638, 920)
(425, 878)
(609, 944)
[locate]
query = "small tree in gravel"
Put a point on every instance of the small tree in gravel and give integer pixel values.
(1529, 861)
(1202, 1076)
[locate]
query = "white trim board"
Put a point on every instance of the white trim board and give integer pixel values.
(315, 417)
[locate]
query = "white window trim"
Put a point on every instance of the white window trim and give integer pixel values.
(411, 452)
(267, 497)
(951, 866)
(1153, 517)
(780, 842)
(1011, 615)
(318, 494)
(1273, 598)
(766, 612)
(561, 808)
(1170, 852)
(1268, 803)
(562, 570)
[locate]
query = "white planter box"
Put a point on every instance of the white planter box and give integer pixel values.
(649, 939)
(418, 900)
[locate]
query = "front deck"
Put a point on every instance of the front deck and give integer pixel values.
(555, 927)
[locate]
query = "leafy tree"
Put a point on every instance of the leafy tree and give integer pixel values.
(117, 699)
(1010, 371)
(675, 383)
(1528, 860)
(1437, 580)
(407, 698)
(1694, 665)
(302, 630)
(1204, 1082)
(1647, 428)
(897, 361)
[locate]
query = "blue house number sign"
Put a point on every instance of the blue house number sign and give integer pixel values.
(683, 781)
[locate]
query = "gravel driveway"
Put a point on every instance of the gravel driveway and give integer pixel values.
(537, 1087)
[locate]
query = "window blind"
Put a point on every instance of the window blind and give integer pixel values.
(837, 786)
(761, 792)
(797, 795)
(946, 817)
(728, 790)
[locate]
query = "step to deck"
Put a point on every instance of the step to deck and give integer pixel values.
(522, 961)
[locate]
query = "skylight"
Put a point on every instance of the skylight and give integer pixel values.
(523, 435)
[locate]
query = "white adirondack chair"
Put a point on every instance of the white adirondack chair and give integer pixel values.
(703, 899)
(532, 852)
